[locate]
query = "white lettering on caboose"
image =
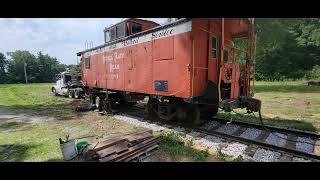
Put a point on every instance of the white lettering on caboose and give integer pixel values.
(114, 56)
(171, 31)
(113, 67)
(163, 33)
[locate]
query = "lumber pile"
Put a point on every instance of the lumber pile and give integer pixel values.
(130, 147)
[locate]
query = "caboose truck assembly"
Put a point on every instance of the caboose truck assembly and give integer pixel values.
(68, 84)
(186, 68)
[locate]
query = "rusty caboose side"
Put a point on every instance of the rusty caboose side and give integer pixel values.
(187, 67)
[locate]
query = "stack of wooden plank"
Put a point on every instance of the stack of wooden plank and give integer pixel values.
(129, 147)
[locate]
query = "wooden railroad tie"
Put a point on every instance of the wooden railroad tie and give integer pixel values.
(122, 148)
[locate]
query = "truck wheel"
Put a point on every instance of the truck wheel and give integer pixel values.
(71, 93)
(98, 103)
(54, 92)
(76, 94)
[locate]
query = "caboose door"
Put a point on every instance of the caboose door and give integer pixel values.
(213, 50)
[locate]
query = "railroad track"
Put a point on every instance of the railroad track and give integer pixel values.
(288, 143)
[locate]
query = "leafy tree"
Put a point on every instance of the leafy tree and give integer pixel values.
(314, 73)
(40, 68)
(16, 66)
(3, 66)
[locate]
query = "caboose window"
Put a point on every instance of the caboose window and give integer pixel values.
(113, 34)
(225, 55)
(214, 46)
(107, 36)
(87, 62)
(121, 30)
(136, 27)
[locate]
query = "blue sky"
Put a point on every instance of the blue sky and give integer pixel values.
(59, 37)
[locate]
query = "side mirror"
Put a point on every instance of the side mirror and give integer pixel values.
(58, 76)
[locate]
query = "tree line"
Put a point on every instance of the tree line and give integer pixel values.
(40, 68)
(287, 48)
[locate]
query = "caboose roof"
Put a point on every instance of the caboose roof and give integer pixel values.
(182, 20)
(130, 19)
(137, 34)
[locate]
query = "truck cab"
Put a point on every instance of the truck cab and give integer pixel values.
(68, 84)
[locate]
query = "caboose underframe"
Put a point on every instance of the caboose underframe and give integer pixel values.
(187, 69)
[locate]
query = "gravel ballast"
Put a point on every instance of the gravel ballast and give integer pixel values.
(228, 128)
(251, 133)
(235, 149)
(262, 155)
(305, 144)
(277, 139)
(210, 125)
(210, 142)
(297, 159)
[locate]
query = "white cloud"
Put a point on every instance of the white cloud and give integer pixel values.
(59, 37)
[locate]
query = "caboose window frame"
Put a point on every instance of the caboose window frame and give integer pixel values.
(132, 27)
(107, 36)
(214, 46)
(113, 33)
(87, 62)
(121, 26)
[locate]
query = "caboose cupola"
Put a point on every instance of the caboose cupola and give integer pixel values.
(126, 28)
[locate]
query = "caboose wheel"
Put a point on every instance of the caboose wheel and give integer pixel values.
(98, 103)
(150, 113)
(76, 94)
(193, 115)
(209, 112)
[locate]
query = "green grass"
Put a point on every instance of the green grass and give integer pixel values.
(14, 95)
(37, 143)
(226, 158)
(35, 98)
(290, 104)
(175, 148)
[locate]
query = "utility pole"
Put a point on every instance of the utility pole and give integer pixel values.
(25, 72)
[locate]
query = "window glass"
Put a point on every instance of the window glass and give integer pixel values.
(121, 30)
(87, 62)
(113, 33)
(107, 36)
(225, 55)
(136, 27)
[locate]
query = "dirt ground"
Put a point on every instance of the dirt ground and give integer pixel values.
(33, 136)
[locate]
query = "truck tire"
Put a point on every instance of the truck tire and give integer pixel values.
(98, 102)
(70, 93)
(76, 94)
(54, 92)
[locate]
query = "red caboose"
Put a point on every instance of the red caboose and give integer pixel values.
(187, 68)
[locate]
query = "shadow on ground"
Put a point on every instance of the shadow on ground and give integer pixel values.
(7, 126)
(301, 88)
(291, 123)
(61, 111)
(13, 152)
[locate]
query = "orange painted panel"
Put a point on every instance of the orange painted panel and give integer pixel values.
(163, 48)
(138, 77)
(177, 71)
